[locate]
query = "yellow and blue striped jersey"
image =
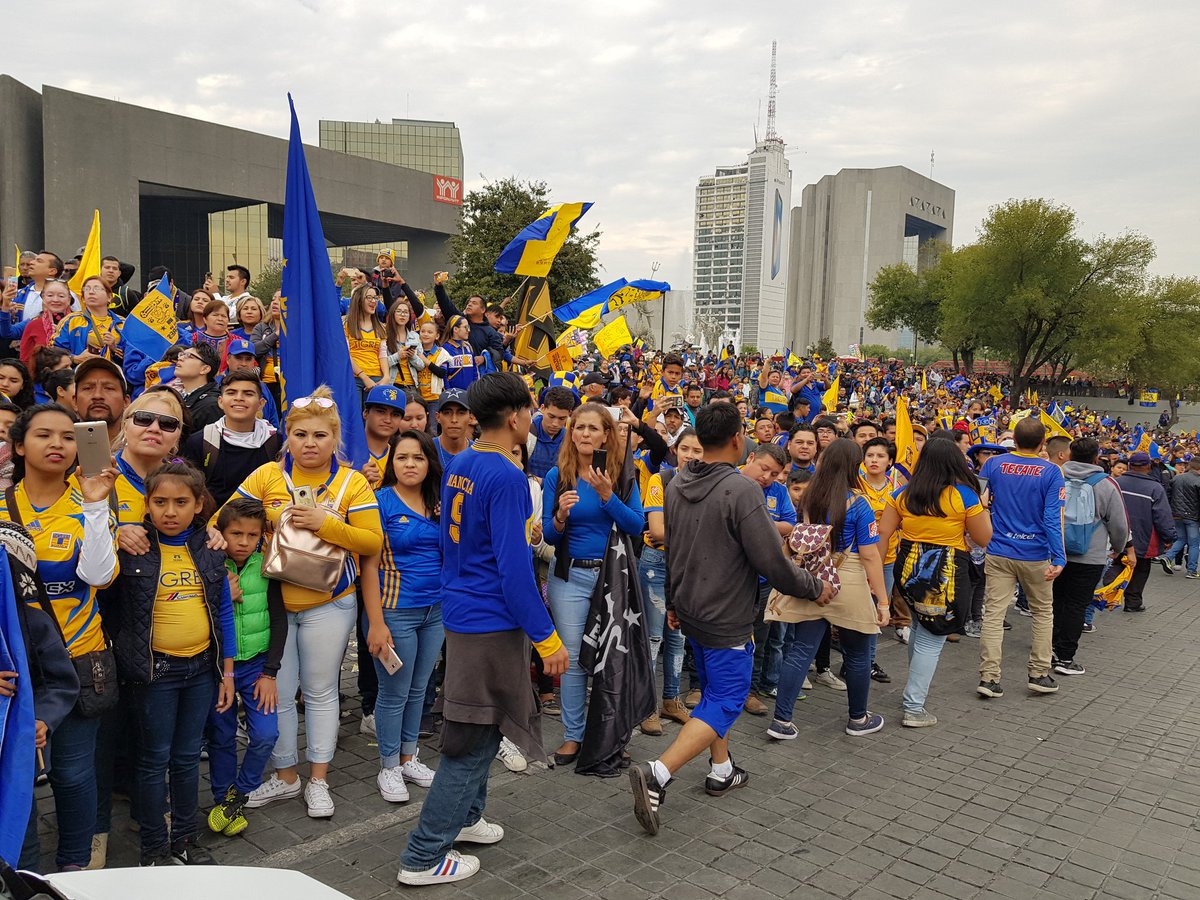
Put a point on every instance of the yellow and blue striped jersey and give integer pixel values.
(410, 566)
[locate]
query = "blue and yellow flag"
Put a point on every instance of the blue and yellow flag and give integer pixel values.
(1111, 594)
(149, 331)
(726, 354)
(587, 310)
(312, 344)
(792, 359)
(533, 250)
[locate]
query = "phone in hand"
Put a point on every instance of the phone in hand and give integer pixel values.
(413, 340)
(91, 441)
(305, 496)
(600, 460)
(391, 662)
(615, 412)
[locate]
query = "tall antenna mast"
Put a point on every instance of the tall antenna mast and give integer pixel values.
(772, 137)
(931, 165)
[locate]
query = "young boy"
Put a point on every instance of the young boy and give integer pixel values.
(260, 622)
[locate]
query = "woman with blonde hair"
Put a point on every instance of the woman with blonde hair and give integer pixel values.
(579, 509)
(345, 514)
(249, 311)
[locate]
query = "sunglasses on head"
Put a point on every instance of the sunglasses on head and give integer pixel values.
(144, 419)
(322, 402)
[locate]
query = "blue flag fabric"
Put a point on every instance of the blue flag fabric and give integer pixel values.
(312, 344)
(17, 753)
(149, 331)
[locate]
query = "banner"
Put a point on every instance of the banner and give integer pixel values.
(612, 337)
(534, 337)
(906, 445)
(149, 331)
(1148, 398)
(559, 359)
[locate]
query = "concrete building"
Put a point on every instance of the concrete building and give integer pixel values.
(157, 178)
(718, 257)
(847, 227)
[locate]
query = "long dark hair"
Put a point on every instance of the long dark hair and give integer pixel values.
(24, 397)
(431, 487)
(19, 428)
(835, 478)
(941, 465)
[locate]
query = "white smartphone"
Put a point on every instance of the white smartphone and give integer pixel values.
(305, 496)
(615, 412)
(91, 442)
(391, 661)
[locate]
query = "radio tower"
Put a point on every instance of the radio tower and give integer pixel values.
(772, 137)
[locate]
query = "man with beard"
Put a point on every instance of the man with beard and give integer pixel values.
(802, 448)
(101, 393)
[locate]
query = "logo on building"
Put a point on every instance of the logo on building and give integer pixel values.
(447, 190)
(926, 206)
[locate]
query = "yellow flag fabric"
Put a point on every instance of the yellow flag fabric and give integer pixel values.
(906, 446)
(924, 383)
(559, 359)
(1053, 429)
(830, 400)
(1033, 398)
(533, 250)
(534, 337)
(612, 337)
(793, 359)
(632, 294)
(90, 264)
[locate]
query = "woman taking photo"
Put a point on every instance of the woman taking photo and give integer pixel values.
(579, 508)
(39, 331)
(363, 334)
(319, 622)
(401, 352)
(402, 601)
(76, 555)
(933, 516)
(832, 499)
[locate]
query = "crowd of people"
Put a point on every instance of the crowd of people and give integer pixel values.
(200, 591)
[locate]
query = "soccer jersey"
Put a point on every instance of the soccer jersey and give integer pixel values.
(774, 398)
(180, 625)
(878, 500)
(654, 502)
(131, 494)
(410, 566)
(958, 503)
(661, 391)
(364, 351)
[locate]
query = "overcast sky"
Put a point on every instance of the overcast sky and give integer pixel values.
(627, 102)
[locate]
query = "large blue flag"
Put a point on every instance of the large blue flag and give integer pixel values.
(149, 331)
(312, 344)
(17, 753)
(586, 311)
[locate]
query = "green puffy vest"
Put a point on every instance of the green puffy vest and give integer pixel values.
(250, 617)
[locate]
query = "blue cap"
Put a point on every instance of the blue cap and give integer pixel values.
(240, 347)
(386, 395)
(454, 395)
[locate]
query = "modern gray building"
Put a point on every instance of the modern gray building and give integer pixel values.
(157, 178)
(847, 227)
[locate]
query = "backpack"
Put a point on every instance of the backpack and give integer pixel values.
(212, 446)
(1079, 513)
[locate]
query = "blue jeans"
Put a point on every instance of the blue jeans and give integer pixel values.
(1187, 535)
(418, 635)
(652, 570)
(262, 730)
(72, 773)
(856, 654)
(924, 649)
(569, 605)
(172, 710)
(455, 801)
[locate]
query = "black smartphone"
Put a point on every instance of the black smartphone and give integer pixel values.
(600, 460)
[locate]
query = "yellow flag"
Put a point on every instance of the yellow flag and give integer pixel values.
(612, 337)
(906, 446)
(559, 359)
(830, 400)
(90, 264)
(1053, 429)
(924, 383)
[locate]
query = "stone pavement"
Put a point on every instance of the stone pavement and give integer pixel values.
(1092, 792)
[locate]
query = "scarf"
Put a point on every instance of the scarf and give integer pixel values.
(248, 440)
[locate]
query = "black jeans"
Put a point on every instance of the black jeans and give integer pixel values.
(1073, 590)
(1137, 583)
(368, 678)
(978, 584)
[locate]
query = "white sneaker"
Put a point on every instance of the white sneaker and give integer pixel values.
(829, 680)
(367, 725)
(511, 756)
(455, 867)
(391, 785)
(807, 686)
(318, 798)
(902, 634)
(482, 832)
(274, 788)
(417, 772)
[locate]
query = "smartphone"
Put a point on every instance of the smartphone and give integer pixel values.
(615, 412)
(391, 662)
(600, 460)
(983, 485)
(91, 441)
(305, 496)
(413, 340)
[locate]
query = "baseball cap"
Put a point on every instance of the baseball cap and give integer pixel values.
(451, 395)
(594, 378)
(386, 395)
(240, 347)
(99, 362)
(1140, 458)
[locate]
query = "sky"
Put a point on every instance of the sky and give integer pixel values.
(626, 103)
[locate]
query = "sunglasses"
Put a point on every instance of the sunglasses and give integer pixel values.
(322, 402)
(144, 419)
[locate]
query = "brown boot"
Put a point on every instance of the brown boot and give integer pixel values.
(693, 698)
(652, 725)
(754, 706)
(675, 710)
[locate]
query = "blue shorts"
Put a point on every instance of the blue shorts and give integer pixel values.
(724, 675)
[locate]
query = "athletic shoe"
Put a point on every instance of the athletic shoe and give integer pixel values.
(367, 725)
(651, 725)
(972, 629)
(989, 689)
(482, 832)
(1043, 684)
(877, 674)
(828, 679)
(868, 724)
(692, 700)
(160, 857)
(919, 719)
(768, 693)
(675, 710)
(648, 796)
(1192, 575)
(1024, 611)
(1167, 565)
(318, 798)
(391, 785)
(716, 786)
(455, 867)
(417, 772)
(274, 788)
(226, 817)
(426, 729)
(902, 634)
(1007, 625)
(1067, 667)
(1141, 608)
(754, 706)
(807, 686)
(204, 749)
(99, 852)
(782, 731)
(190, 853)
(1088, 627)
(510, 754)
(551, 708)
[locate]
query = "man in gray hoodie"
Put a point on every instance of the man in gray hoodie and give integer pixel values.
(1087, 552)
(719, 539)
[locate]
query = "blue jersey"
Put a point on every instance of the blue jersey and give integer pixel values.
(410, 565)
(1027, 501)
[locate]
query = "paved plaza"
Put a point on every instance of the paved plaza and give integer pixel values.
(1092, 792)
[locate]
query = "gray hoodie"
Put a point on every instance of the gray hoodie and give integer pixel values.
(1110, 510)
(719, 540)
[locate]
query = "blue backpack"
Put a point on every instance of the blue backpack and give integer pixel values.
(1079, 513)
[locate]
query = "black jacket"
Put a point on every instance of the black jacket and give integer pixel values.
(52, 674)
(1150, 519)
(484, 338)
(1185, 496)
(202, 405)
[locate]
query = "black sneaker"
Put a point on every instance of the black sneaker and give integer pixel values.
(989, 689)
(1139, 608)
(1007, 625)
(190, 853)
(1043, 684)
(1067, 667)
(716, 786)
(1088, 627)
(648, 796)
(877, 674)
(160, 857)
(1166, 565)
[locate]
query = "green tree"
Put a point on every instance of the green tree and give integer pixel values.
(902, 298)
(269, 280)
(823, 348)
(876, 351)
(491, 217)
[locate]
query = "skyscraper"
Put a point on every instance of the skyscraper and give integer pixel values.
(434, 147)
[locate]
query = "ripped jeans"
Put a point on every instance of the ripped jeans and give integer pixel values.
(652, 571)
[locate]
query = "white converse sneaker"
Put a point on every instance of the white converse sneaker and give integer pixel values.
(367, 725)
(274, 788)
(511, 756)
(455, 867)
(482, 832)
(318, 798)
(417, 772)
(391, 785)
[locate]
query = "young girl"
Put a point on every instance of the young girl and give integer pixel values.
(456, 355)
(401, 353)
(16, 384)
(430, 379)
(191, 313)
(175, 648)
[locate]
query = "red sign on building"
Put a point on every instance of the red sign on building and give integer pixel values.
(447, 190)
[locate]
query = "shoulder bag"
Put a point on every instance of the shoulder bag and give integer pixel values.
(297, 556)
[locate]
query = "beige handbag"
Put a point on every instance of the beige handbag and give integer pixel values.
(297, 556)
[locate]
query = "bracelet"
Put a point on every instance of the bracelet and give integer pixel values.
(265, 675)
(226, 674)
